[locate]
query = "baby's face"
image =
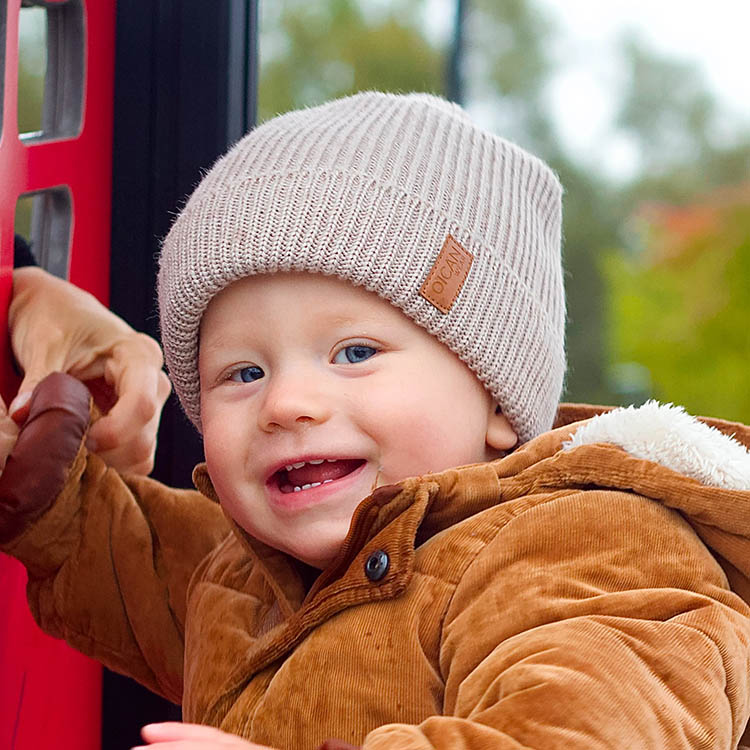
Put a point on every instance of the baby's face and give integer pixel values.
(313, 392)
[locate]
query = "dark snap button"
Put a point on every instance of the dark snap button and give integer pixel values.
(377, 565)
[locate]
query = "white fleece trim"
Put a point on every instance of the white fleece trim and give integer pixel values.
(668, 435)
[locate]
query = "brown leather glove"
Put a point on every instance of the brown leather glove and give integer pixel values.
(47, 445)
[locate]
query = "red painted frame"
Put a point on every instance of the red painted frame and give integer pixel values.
(50, 696)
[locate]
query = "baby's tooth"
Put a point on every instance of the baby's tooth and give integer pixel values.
(289, 467)
(298, 465)
(307, 486)
(325, 481)
(317, 461)
(331, 460)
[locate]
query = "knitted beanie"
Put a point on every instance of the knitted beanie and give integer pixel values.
(405, 196)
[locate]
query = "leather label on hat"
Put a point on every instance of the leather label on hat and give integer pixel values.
(448, 274)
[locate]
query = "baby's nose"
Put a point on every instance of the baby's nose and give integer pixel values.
(294, 402)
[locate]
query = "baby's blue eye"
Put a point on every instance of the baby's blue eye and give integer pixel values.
(353, 354)
(247, 374)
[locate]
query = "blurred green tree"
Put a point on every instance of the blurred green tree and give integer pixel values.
(666, 108)
(685, 141)
(677, 283)
(509, 64)
(32, 64)
(311, 52)
(681, 307)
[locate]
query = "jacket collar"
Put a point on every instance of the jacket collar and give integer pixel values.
(394, 518)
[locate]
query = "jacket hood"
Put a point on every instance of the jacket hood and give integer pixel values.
(699, 467)
(667, 435)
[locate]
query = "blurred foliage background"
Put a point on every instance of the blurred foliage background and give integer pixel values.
(657, 261)
(31, 69)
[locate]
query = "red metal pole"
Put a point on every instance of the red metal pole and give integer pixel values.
(50, 696)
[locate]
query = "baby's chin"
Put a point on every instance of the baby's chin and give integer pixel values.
(320, 557)
(316, 548)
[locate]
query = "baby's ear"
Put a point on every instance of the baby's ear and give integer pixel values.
(500, 435)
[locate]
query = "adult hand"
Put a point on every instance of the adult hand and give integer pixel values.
(173, 735)
(55, 326)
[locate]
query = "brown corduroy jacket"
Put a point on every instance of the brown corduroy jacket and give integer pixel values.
(561, 597)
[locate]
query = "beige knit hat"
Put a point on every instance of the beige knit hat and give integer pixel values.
(405, 196)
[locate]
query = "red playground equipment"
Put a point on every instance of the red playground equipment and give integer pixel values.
(138, 98)
(50, 696)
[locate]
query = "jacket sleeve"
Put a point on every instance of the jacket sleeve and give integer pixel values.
(109, 558)
(596, 619)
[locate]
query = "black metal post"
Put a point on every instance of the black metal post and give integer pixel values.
(454, 85)
(185, 90)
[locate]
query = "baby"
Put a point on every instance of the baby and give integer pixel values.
(357, 299)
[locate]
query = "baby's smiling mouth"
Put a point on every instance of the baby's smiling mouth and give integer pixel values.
(305, 475)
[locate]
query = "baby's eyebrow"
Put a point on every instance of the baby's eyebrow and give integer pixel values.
(217, 343)
(223, 346)
(344, 320)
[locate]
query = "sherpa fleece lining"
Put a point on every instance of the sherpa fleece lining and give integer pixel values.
(668, 435)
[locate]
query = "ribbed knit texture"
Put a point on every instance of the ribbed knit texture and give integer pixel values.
(367, 188)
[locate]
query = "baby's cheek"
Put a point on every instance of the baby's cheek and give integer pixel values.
(237, 511)
(451, 442)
